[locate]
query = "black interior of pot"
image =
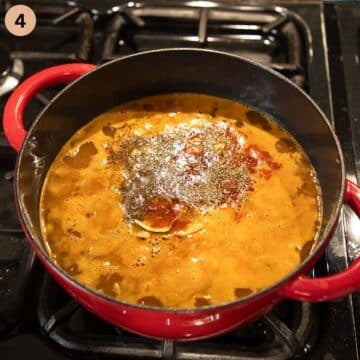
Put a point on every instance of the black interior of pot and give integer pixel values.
(168, 71)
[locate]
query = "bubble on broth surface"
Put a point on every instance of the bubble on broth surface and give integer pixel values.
(82, 158)
(106, 283)
(150, 301)
(286, 145)
(109, 131)
(258, 120)
(201, 301)
(306, 249)
(239, 123)
(242, 292)
(308, 188)
(73, 270)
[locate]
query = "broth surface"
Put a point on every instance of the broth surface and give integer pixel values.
(181, 201)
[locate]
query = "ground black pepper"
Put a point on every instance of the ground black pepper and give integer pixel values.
(190, 165)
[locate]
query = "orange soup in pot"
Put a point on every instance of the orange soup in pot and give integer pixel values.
(180, 201)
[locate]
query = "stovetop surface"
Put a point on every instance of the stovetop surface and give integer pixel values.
(315, 45)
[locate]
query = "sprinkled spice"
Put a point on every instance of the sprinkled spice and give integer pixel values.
(194, 167)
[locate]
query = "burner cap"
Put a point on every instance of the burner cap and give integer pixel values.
(5, 60)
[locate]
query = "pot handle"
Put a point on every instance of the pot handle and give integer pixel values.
(333, 286)
(21, 96)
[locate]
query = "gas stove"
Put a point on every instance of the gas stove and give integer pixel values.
(315, 45)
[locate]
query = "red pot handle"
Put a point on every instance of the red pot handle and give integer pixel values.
(15, 106)
(333, 286)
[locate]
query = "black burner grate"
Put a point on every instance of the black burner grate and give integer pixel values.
(70, 29)
(16, 262)
(273, 37)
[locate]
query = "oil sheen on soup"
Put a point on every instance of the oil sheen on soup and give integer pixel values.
(180, 201)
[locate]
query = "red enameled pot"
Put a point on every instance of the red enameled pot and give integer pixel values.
(95, 89)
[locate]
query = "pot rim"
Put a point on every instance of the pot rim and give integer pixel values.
(321, 242)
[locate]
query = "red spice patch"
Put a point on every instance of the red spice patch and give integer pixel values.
(255, 154)
(238, 216)
(160, 213)
(265, 173)
(181, 223)
(230, 189)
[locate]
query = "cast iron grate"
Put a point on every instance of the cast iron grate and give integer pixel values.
(271, 36)
(16, 262)
(71, 30)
